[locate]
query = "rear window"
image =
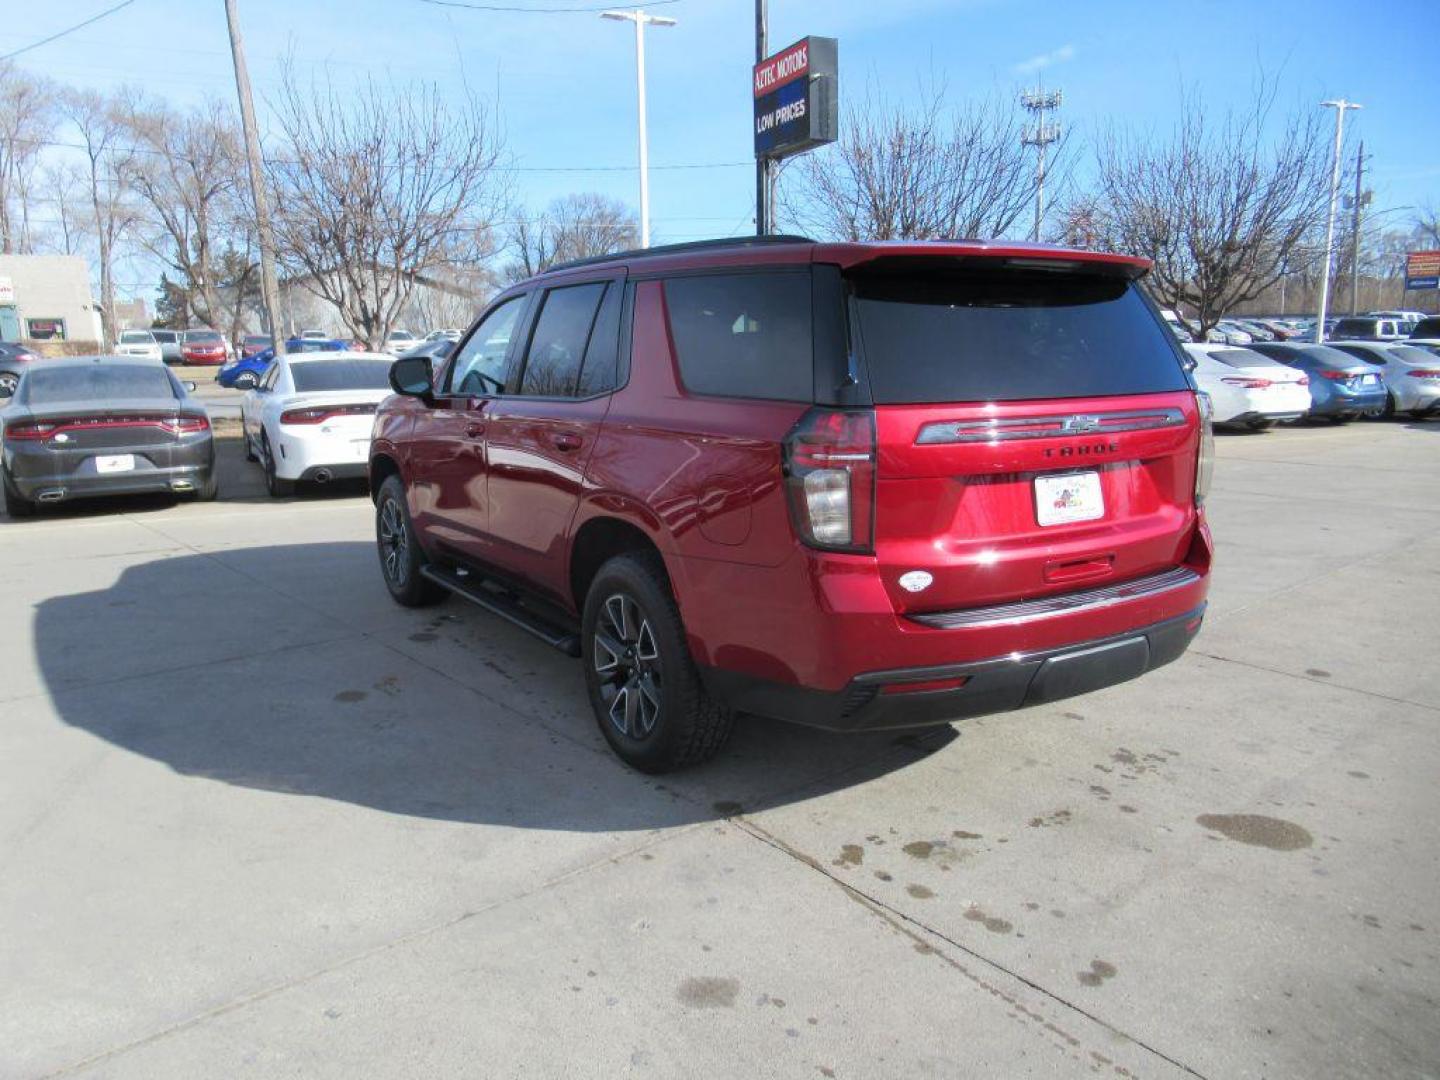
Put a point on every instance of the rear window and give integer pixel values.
(165, 337)
(341, 375)
(1009, 335)
(136, 337)
(203, 337)
(1355, 326)
(101, 382)
(743, 335)
(1426, 328)
(305, 345)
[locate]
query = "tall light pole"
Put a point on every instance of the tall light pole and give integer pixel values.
(640, 19)
(1340, 105)
(269, 290)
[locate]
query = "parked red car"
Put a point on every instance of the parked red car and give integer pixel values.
(853, 485)
(204, 347)
(255, 343)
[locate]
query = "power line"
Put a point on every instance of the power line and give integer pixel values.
(63, 33)
(114, 150)
(533, 10)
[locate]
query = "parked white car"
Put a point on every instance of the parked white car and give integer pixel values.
(400, 341)
(1247, 389)
(1411, 374)
(448, 335)
(310, 417)
(1226, 332)
(139, 343)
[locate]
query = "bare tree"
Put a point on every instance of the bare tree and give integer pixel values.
(71, 228)
(1221, 205)
(189, 176)
(573, 227)
(1427, 225)
(449, 298)
(27, 120)
(376, 186)
(104, 133)
(901, 173)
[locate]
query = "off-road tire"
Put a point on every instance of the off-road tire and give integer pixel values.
(689, 725)
(402, 574)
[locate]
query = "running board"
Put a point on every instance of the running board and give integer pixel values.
(472, 587)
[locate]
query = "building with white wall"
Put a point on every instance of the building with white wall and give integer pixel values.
(46, 299)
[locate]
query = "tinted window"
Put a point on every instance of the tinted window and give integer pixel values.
(165, 337)
(743, 335)
(1413, 354)
(1361, 354)
(341, 375)
(600, 371)
(1306, 355)
(313, 345)
(1426, 328)
(1363, 327)
(479, 366)
(100, 382)
(557, 347)
(1010, 335)
(203, 337)
(136, 337)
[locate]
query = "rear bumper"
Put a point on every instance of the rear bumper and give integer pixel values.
(52, 489)
(1348, 403)
(997, 684)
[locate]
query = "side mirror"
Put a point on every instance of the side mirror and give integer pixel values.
(192, 387)
(411, 376)
(1190, 363)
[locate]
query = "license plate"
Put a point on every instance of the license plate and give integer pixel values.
(115, 463)
(1369, 380)
(1068, 497)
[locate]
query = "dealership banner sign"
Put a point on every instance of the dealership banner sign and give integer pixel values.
(797, 98)
(1422, 270)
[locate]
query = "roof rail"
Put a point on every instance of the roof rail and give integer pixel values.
(679, 249)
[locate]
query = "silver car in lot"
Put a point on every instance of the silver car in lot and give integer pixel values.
(1412, 374)
(110, 425)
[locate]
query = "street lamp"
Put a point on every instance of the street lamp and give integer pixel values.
(640, 19)
(1340, 105)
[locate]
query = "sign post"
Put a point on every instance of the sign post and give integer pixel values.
(797, 107)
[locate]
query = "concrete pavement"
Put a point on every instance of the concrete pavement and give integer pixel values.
(254, 818)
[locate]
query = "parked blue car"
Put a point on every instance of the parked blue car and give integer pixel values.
(245, 374)
(1341, 387)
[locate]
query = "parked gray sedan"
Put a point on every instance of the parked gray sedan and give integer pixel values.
(108, 425)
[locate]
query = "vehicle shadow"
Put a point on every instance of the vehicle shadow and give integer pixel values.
(288, 669)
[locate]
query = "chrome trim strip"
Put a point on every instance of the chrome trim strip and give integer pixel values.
(1024, 611)
(999, 429)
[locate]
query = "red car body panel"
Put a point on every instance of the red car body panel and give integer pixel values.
(511, 483)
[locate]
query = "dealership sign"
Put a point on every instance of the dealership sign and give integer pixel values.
(1422, 270)
(797, 98)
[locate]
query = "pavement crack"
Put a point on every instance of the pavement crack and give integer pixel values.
(915, 929)
(1330, 683)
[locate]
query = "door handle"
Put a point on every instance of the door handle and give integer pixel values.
(565, 440)
(474, 430)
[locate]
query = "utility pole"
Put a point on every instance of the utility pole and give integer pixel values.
(1358, 203)
(640, 19)
(1039, 104)
(762, 164)
(269, 290)
(1340, 105)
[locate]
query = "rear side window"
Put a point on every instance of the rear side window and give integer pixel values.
(1426, 328)
(1009, 335)
(598, 375)
(743, 335)
(557, 347)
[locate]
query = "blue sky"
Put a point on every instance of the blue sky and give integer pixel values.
(565, 83)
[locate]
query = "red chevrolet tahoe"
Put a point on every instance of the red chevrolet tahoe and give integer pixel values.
(856, 486)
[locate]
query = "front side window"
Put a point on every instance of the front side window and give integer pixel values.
(480, 364)
(557, 347)
(743, 335)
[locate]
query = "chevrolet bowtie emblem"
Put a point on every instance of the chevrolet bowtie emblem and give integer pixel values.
(1076, 425)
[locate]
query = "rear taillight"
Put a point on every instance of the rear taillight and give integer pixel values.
(830, 478)
(1205, 465)
(188, 425)
(1425, 373)
(1333, 375)
(1304, 380)
(29, 432)
(318, 414)
(1248, 384)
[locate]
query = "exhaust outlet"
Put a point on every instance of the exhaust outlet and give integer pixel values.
(323, 476)
(50, 495)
